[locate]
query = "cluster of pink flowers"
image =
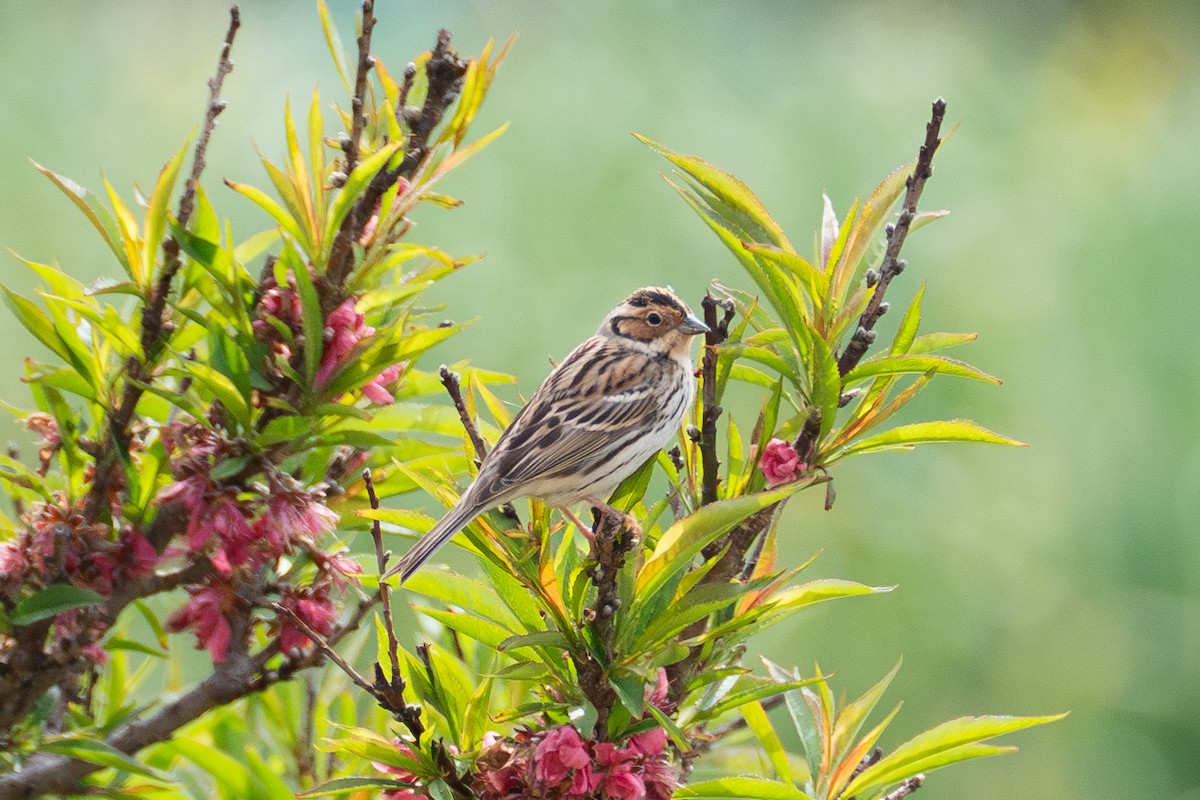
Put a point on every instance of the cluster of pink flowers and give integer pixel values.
(58, 544)
(560, 763)
(241, 532)
(277, 305)
(344, 329)
(780, 463)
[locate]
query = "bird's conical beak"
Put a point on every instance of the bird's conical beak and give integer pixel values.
(692, 325)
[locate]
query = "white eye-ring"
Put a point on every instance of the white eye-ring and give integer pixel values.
(653, 318)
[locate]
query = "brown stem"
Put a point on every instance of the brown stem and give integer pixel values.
(710, 465)
(365, 62)
(155, 328)
(891, 266)
(444, 71)
(385, 595)
(45, 774)
(612, 539)
(454, 389)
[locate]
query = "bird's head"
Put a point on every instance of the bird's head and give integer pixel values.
(654, 318)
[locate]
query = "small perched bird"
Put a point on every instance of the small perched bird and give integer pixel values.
(602, 413)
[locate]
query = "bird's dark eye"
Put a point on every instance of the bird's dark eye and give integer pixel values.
(653, 319)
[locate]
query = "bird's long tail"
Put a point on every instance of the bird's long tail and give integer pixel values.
(455, 520)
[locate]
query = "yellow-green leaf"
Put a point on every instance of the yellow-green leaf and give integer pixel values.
(907, 436)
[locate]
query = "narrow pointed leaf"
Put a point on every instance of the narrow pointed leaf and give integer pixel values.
(741, 787)
(686, 538)
(906, 436)
(157, 210)
(957, 739)
(909, 364)
(52, 601)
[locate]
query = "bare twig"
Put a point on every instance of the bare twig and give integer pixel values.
(365, 62)
(45, 774)
(717, 333)
(806, 440)
(892, 265)
(906, 788)
(444, 72)
(385, 595)
(154, 326)
(454, 389)
(612, 540)
(324, 646)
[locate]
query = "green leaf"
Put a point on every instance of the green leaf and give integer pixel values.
(53, 600)
(356, 184)
(536, 639)
(908, 436)
(731, 191)
(134, 646)
(631, 692)
(687, 537)
(157, 208)
(100, 217)
(814, 279)
(221, 388)
(932, 342)
(956, 740)
(263, 201)
(339, 786)
(487, 633)
(95, 751)
(312, 321)
(907, 331)
(758, 722)
(908, 364)
(850, 720)
(37, 323)
(742, 787)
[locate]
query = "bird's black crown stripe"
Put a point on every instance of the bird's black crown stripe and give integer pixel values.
(645, 297)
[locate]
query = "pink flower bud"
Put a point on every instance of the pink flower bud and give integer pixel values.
(780, 463)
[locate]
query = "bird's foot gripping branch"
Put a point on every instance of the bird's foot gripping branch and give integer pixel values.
(233, 429)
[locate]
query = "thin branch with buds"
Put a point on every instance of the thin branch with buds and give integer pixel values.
(892, 265)
(395, 685)
(718, 332)
(454, 389)
(365, 63)
(154, 326)
(445, 72)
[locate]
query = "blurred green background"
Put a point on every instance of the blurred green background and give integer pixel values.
(1059, 577)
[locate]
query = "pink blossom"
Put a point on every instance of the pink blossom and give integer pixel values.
(660, 780)
(344, 328)
(292, 515)
(205, 613)
(137, 555)
(401, 774)
(314, 608)
(224, 519)
(94, 653)
(190, 492)
(376, 390)
(657, 697)
(621, 783)
(780, 463)
(559, 752)
(649, 743)
(13, 562)
(337, 566)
